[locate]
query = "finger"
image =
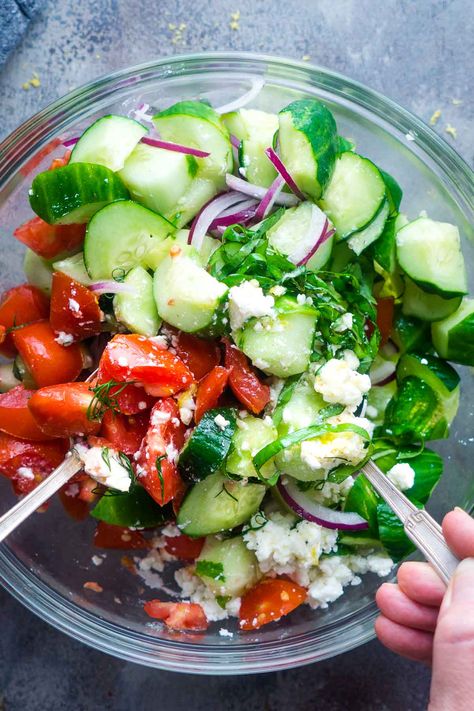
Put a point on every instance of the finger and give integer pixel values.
(458, 529)
(420, 583)
(398, 607)
(413, 644)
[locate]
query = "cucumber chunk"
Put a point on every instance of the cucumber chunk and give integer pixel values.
(109, 142)
(131, 508)
(354, 195)
(438, 374)
(410, 334)
(308, 144)
(453, 337)
(255, 130)
(428, 307)
(295, 234)
(74, 193)
(74, 267)
(186, 296)
(378, 398)
(415, 412)
(251, 435)
(209, 444)
(38, 271)
(227, 567)
(121, 236)
(218, 504)
(283, 347)
(430, 253)
(364, 238)
(137, 310)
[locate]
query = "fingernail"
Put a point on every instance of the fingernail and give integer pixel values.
(462, 584)
(458, 508)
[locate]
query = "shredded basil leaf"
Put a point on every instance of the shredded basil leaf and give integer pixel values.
(210, 569)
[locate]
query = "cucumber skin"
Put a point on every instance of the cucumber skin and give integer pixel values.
(57, 193)
(82, 148)
(131, 508)
(429, 367)
(411, 334)
(198, 109)
(428, 307)
(207, 446)
(454, 339)
(414, 413)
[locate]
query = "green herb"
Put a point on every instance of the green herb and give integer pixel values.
(105, 398)
(105, 454)
(119, 274)
(160, 473)
(257, 522)
(222, 600)
(224, 489)
(210, 569)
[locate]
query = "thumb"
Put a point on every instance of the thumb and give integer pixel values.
(452, 685)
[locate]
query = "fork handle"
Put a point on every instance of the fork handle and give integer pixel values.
(28, 505)
(427, 536)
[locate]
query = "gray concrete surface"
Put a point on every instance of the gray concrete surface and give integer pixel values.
(419, 54)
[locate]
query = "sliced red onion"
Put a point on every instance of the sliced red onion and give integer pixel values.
(269, 198)
(255, 89)
(141, 114)
(176, 147)
(70, 141)
(208, 213)
(246, 213)
(235, 141)
(306, 508)
(280, 167)
(256, 191)
(111, 287)
(382, 372)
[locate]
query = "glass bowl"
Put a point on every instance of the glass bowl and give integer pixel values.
(47, 560)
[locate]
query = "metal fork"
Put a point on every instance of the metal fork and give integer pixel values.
(420, 527)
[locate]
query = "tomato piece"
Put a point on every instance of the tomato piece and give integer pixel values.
(183, 547)
(20, 305)
(47, 360)
(70, 497)
(178, 615)
(124, 432)
(61, 410)
(74, 308)
(50, 241)
(268, 601)
(3, 334)
(127, 399)
(385, 311)
(209, 391)
(16, 418)
(156, 461)
(244, 381)
(27, 462)
(39, 157)
(60, 162)
(130, 357)
(108, 536)
(198, 354)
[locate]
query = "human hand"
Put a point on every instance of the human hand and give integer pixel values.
(426, 622)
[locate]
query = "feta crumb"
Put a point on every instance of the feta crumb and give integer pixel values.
(423, 361)
(159, 417)
(225, 633)
(142, 405)
(25, 472)
(97, 559)
(402, 475)
(195, 590)
(248, 301)
(339, 382)
(64, 339)
(344, 323)
(278, 290)
(221, 422)
(111, 474)
(74, 305)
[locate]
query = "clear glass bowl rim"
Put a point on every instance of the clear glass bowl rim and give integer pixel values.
(34, 593)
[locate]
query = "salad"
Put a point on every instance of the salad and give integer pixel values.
(226, 315)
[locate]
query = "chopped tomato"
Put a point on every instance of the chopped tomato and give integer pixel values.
(47, 360)
(268, 601)
(137, 358)
(124, 432)
(16, 418)
(70, 497)
(199, 355)
(178, 615)
(183, 547)
(28, 462)
(108, 536)
(61, 410)
(50, 241)
(60, 162)
(128, 399)
(74, 308)
(39, 157)
(244, 381)
(20, 305)
(3, 334)
(209, 390)
(385, 309)
(88, 489)
(156, 461)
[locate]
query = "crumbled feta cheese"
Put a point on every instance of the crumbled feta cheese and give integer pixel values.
(344, 323)
(225, 633)
(332, 493)
(248, 301)
(25, 472)
(276, 387)
(97, 559)
(64, 339)
(74, 305)
(278, 290)
(195, 590)
(221, 422)
(172, 453)
(402, 475)
(423, 361)
(110, 473)
(339, 382)
(159, 417)
(142, 405)
(186, 405)
(160, 341)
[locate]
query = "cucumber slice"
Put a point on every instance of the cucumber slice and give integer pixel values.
(295, 232)
(255, 130)
(428, 307)
(251, 435)
(364, 238)
(137, 310)
(308, 144)
(227, 567)
(363, 500)
(218, 504)
(121, 236)
(453, 337)
(430, 253)
(438, 374)
(109, 141)
(74, 193)
(38, 271)
(283, 347)
(209, 444)
(197, 125)
(186, 296)
(158, 179)
(355, 194)
(378, 398)
(74, 267)
(411, 334)
(415, 413)
(132, 508)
